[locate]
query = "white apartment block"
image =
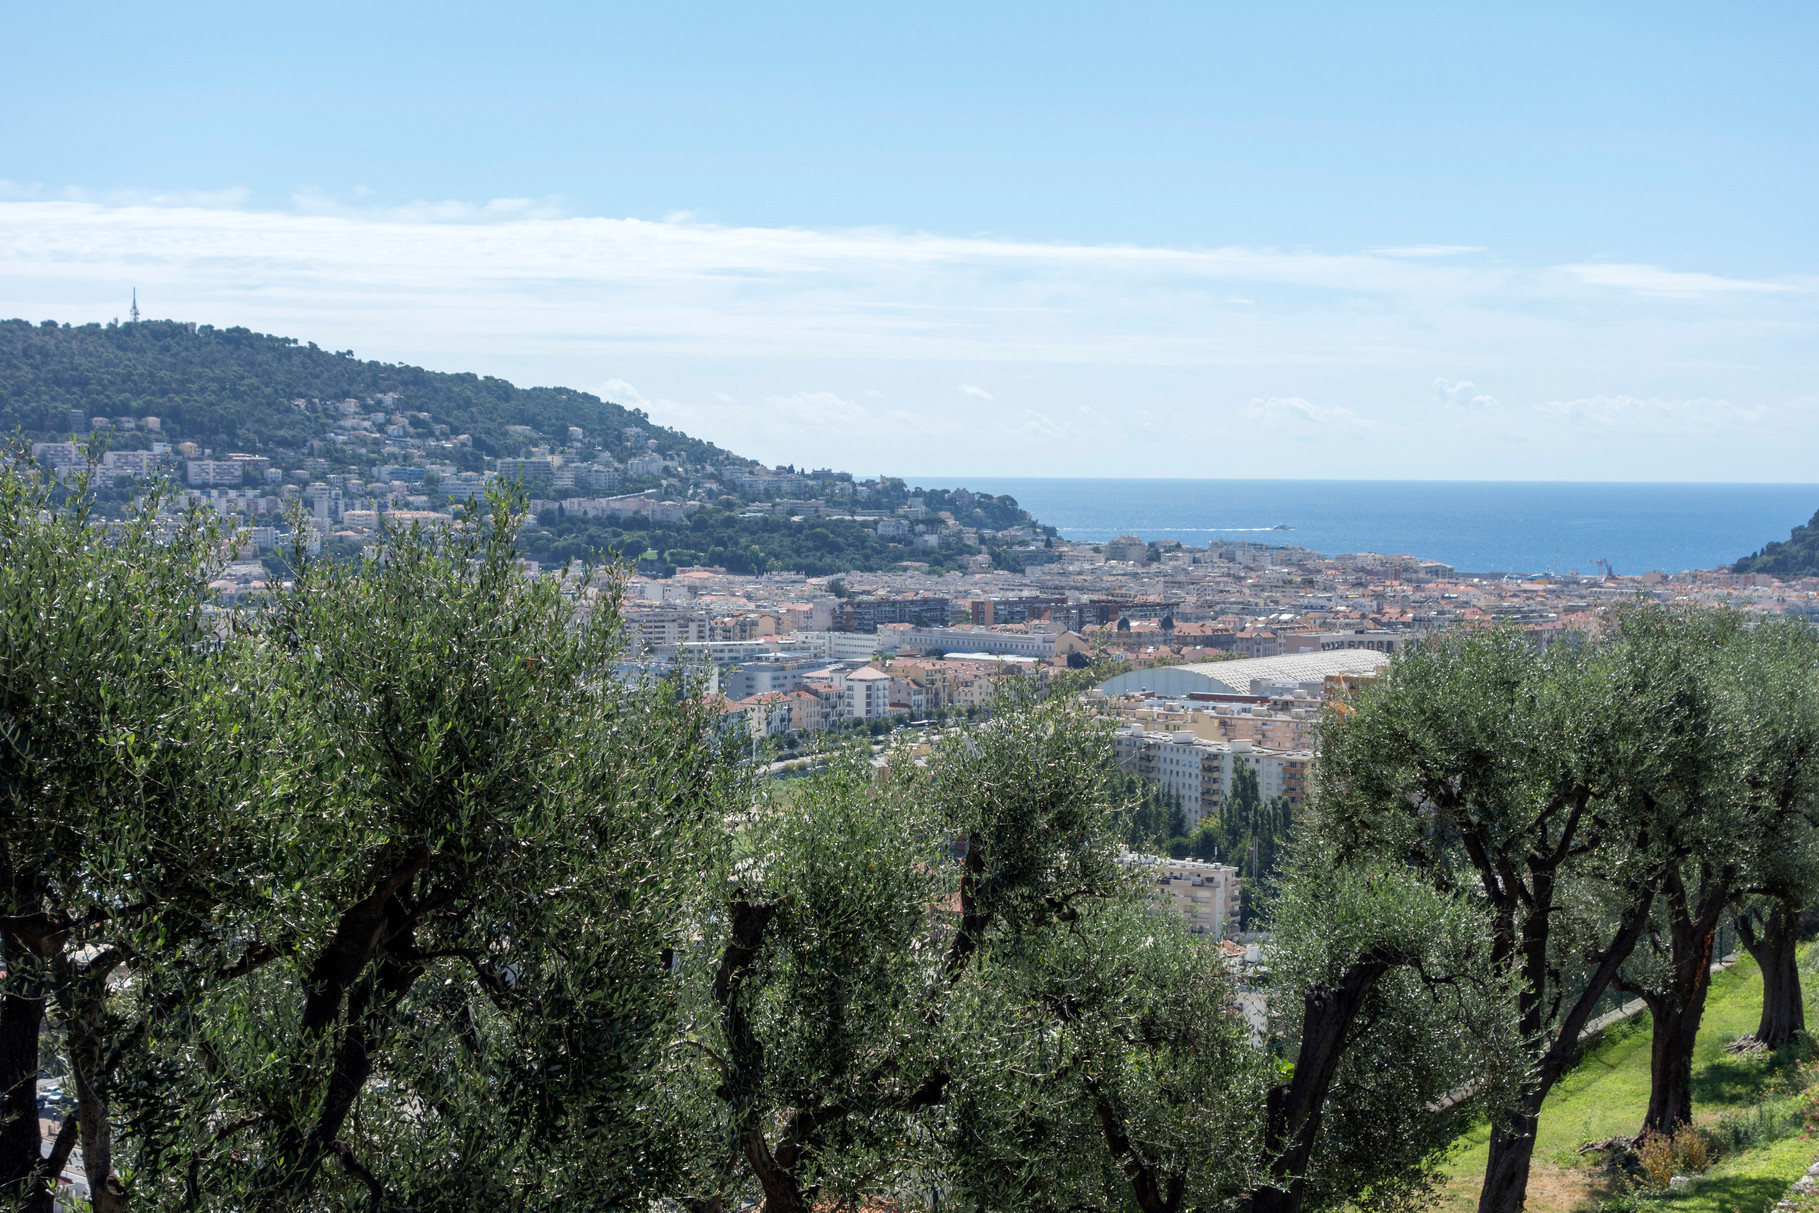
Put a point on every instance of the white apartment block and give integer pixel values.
(202, 473)
(644, 467)
(1199, 772)
(129, 463)
(1205, 895)
(646, 631)
(324, 502)
(838, 646)
(986, 640)
(57, 454)
(867, 691)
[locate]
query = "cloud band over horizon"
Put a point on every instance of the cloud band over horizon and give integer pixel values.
(843, 347)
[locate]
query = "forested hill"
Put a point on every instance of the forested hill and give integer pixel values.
(397, 436)
(232, 389)
(1798, 556)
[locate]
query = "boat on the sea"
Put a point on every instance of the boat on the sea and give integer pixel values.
(1282, 526)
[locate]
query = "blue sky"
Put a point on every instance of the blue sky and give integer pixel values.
(1361, 240)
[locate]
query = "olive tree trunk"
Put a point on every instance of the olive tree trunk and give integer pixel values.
(1772, 937)
(21, 1144)
(1512, 1153)
(1679, 1004)
(1294, 1109)
(1512, 1146)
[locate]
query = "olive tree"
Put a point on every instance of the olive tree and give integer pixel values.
(819, 1029)
(1402, 1026)
(1107, 1069)
(473, 872)
(1732, 811)
(1786, 872)
(1122, 1063)
(113, 692)
(859, 914)
(1492, 769)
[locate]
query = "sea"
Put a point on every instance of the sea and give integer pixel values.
(1481, 527)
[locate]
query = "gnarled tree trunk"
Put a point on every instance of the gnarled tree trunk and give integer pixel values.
(1512, 1152)
(1772, 936)
(1294, 1109)
(1678, 1007)
(1670, 1063)
(1512, 1148)
(22, 1182)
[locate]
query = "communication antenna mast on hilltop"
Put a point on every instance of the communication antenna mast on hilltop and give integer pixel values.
(135, 312)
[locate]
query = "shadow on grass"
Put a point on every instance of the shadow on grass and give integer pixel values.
(1738, 1193)
(1731, 1080)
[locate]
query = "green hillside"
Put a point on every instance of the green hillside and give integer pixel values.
(1798, 556)
(1755, 1104)
(233, 389)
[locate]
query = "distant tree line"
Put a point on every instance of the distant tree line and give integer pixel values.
(385, 894)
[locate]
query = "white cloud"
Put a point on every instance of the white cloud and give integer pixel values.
(1428, 250)
(1653, 280)
(831, 412)
(802, 323)
(360, 205)
(1143, 424)
(1639, 416)
(1463, 394)
(231, 198)
(620, 392)
(1295, 411)
(1032, 423)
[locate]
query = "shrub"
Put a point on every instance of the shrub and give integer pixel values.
(1655, 1154)
(1690, 1150)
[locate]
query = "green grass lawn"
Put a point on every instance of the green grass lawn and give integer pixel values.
(1606, 1096)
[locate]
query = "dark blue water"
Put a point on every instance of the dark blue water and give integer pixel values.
(1475, 526)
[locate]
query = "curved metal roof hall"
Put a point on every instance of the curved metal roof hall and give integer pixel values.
(1237, 677)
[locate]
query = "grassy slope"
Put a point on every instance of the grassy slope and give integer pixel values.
(1608, 1093)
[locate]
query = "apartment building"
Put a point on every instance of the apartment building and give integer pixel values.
(1207, 896)
(647, 631)
(203, 473)
(867, 692)
(989, 640)
(1265, 725)
(1199, 772)
(1127, 548)
(810, 712)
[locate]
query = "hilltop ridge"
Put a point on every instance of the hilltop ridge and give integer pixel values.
(234, 388)
(257, 420)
